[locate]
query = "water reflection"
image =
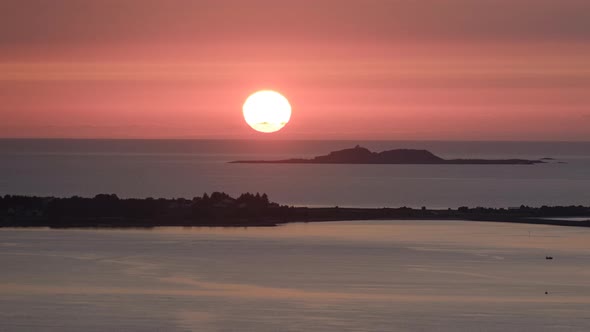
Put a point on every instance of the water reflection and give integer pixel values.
(412, 275)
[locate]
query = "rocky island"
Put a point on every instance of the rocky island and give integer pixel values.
(361, 155)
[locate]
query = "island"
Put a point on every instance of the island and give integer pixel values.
(247, 210)
(361, 155)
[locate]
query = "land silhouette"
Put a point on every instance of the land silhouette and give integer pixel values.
(220, 209)
(361, 155)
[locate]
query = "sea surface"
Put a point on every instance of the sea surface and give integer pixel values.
(334, 276)
(188, 168)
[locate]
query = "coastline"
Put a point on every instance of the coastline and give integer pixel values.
(248, 210)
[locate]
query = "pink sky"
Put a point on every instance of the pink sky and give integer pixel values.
(440, 69)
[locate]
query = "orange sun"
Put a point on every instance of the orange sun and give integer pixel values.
(267, 111)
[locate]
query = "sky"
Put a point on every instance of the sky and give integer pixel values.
(371, 69)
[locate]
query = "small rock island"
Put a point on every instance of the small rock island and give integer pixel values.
(361, 155)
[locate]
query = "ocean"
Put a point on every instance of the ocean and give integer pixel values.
(331, 276)
(336, 276)
(188, 168)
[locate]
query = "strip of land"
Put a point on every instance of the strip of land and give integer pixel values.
(360, 155)
(247, 210)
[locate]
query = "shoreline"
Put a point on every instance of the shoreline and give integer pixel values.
(248, 210)
(546, 222)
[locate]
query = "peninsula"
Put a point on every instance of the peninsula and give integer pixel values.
(222, 210)
(360, 155)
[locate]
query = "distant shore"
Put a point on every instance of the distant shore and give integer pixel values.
(247, 210)
(360, 155)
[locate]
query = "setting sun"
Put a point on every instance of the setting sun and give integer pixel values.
(267, 111)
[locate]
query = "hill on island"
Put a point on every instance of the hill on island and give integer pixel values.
(361, 155)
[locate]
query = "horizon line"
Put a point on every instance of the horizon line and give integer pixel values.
(280, 139)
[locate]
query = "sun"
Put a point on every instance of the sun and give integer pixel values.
(267, 111)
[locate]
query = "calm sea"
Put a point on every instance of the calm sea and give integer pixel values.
(186, 168)
(343, 276)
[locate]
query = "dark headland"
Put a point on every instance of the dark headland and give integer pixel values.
(360, 155)
(222, 210)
